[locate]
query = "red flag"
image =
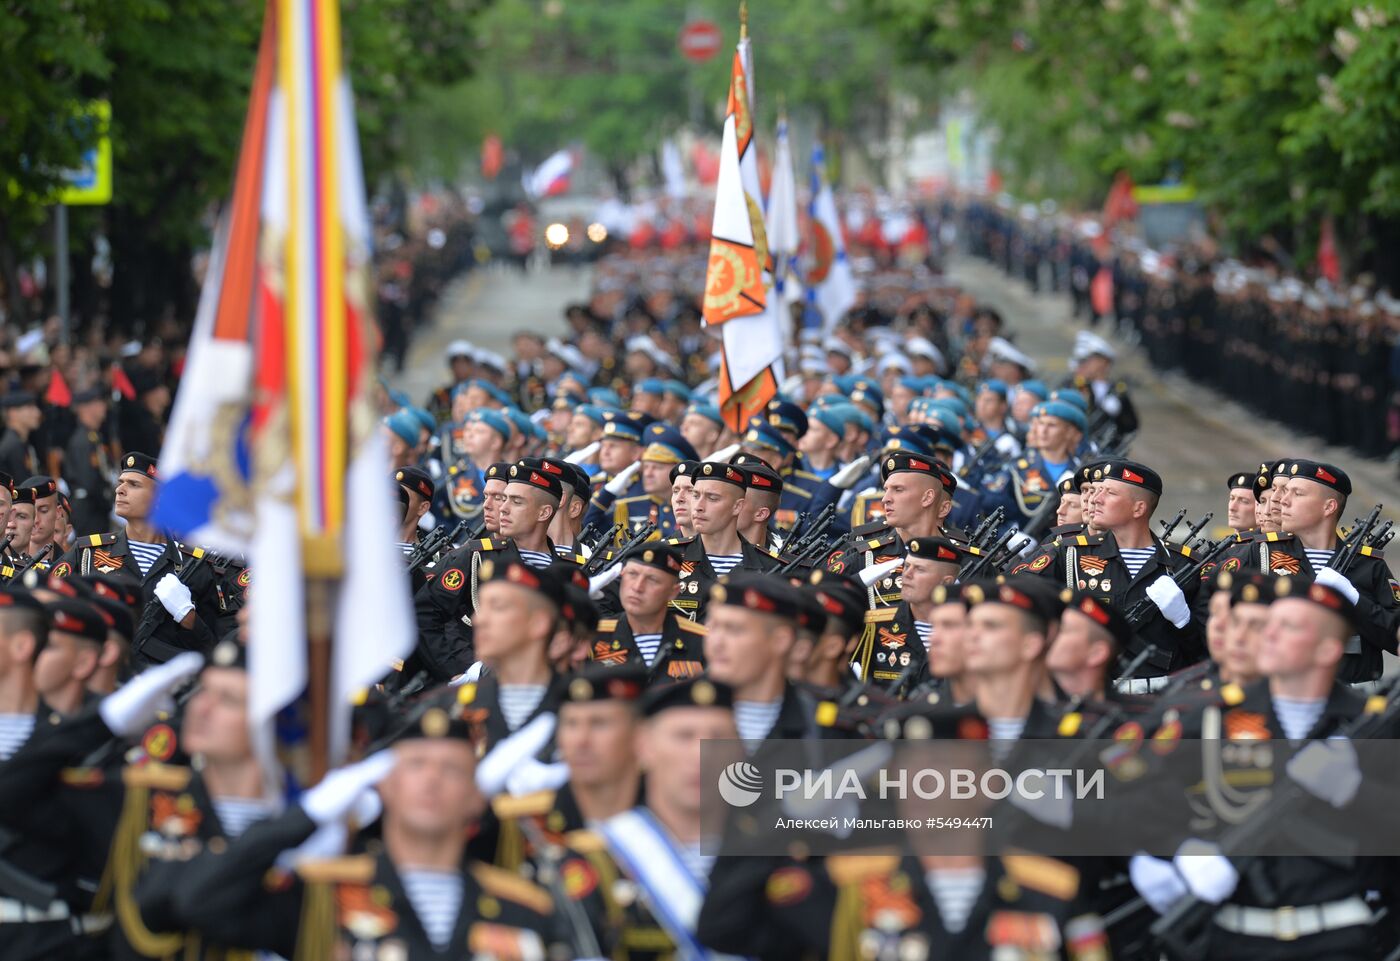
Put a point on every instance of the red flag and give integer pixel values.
(58, 393)
(1119, 204)
(123, 383)
(1328, 263)
(492, 156)
(1101, 291)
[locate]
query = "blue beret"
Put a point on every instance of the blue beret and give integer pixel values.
(676, 389)
(785, 415)
(399, 398)
(951, 405)
(651, 385)
(424, 418)
(861, 419)
(620, 428)
(1068, 395)
(760, 435)
(404, 425)
(905, 437)
(916, 384)
(498, 395)
(592, 412)
(994, 385)
(832, 417)
(494, 419)
(1065, 412)
(708, 411)
(868, 393)
(1034, 387)
(604, 397)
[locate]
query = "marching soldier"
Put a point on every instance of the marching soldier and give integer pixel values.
(1239, 508)
(87, 464)
(22, 419)
(665, 448)
(649, 633)
(897, 659)
(717, 548)
(1022, 486)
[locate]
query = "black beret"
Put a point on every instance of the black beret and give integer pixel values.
(658, 554)
(449, 713)
(1028, 593)
(540, 479)
(38, 488)
(1328, 598)
(1130, 472)
(692, 692)
(1263, 479)
(117, 615)
(114, 588)
(1101, 613)
(498, 471)
(139, 463)
(727, 473)
(931, 719)
(417, 480)
(763, 593)
(951, 594)
(687, 467)
(1247, 587)
(230, 654)
(578, 609)
(1241, 481)
(88, 395)
(11, 597)
(595, 682)
(18, 398)
(935, 548)
(569, 475)
(841, 598)
(1327, 475)
(903, 462)
(759, 475)
(78, 617)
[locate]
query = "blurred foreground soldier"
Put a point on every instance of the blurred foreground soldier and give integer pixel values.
(717, 548)
(420, 896)
(1011, 627)
(70, 658)
(24, 632)
(1311, 502)
(1239, 508)
(87, 464)
(179, 592)
(1289, 908)
(1127, 563)
(751, 627)
(22, 419)
(418, 484)
(1086, 647)
(828, 669)
(650, 633)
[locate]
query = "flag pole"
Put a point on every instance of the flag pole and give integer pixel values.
(323, 568)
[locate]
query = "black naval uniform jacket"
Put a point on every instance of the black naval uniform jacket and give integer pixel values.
(1377, 607)
(698, 577)
(87, 466)
(1092, 563)
(158, 638)
(352, 906)
(681, 654)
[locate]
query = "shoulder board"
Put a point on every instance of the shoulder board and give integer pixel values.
(1278, 537)
(629, 500)
(771, 553)
(682, 541)
(191, 550)
(1371, 552)
(879, 615)
(512, 887)
(1046, 875)
(353, 869)
(694, 627)
(507, 806)
(874, 527)
(854, 868)
(81, 776)
(607, 624)
(881, 541)
(1085, 540)
(159, 777)
(485, 544)
(97, 540)
(585, 842)
(578, 559)
(804, 474)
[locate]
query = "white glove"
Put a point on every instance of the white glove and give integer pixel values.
(1328, 770)
(532, 775)
(340, 791)
(876, 571)
(134, 706)
(1208, 874)
(597, 582)
(584, 454)
(174, 596)
(619, 484)
(1111, 404)
(1157, 881)
(1165, 593)
(852, 472)
(1007, 444)
(724, 453)
(330, 841)
(1338, 583)
(494, 770)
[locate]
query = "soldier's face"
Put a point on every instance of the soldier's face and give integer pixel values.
(1298, 639)
(597, 740)
(743, 646)
(1243, 630)
(715, 507)
(909, 497)
(431, 792)
(5, 504)
(1070, 510)
(656, 479)
(645, 591)
(522, 511)
(989, 407)
(581, 432)
(216, 717)
(1022, 404)
(819, 439)
(668, 749)
(649, 404)
(44, 510)
(682, 491)
(997, 639)
(1057, 435)
(1217, 625)
(63, 659)
(1275, 499)
(921, 576)
(1304, 504)
(702, 433)
(1239, 511)
(482, 443)
(134, 495)
(1261, 513)
(20, 525)
(946, 642)
(1115, 505)
(507, 615)
(615, 455)
(493, 494)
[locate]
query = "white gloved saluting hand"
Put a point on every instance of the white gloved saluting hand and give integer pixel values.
(134, 706)
(1165, 593)
(340, 791)
(174, 596)
(619, 484)
(852, 472)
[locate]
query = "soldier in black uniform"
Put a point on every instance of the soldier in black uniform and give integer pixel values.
(1239, 508)
(87, 465)
(22, 417)
(717, 547)
(897, 658)
(1311, 502)
(1126, 564)
(650, 633)
(179, 590)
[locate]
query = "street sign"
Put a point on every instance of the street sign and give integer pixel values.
(90, 183)
(699, 40)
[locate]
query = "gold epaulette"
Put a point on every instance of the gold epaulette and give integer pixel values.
(853, 868)
(506, 884)
(158, 777)
(191, 550)
(1044, 874)
(879, 615)
(485, 544)
(81, 776)
(685, 624)
(585, 842)
(351, 869)
(509, 807)
(681, 541)
(607, 624)
(1371, 552)
(97, 540)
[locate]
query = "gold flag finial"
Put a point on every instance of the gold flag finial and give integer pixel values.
(743, 19)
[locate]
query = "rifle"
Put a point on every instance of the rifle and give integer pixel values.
(1356, 539)
(600, 562)
(551, 856)
(151, 613)
(986, 559)
(988, 528)
(1167, 528)
(1182, 931)
(1381, 537)
(1138, 614)
(596, 546)
(34, 561)
(429, 547)
(814, 549)
(813, 531)
(979, 455)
